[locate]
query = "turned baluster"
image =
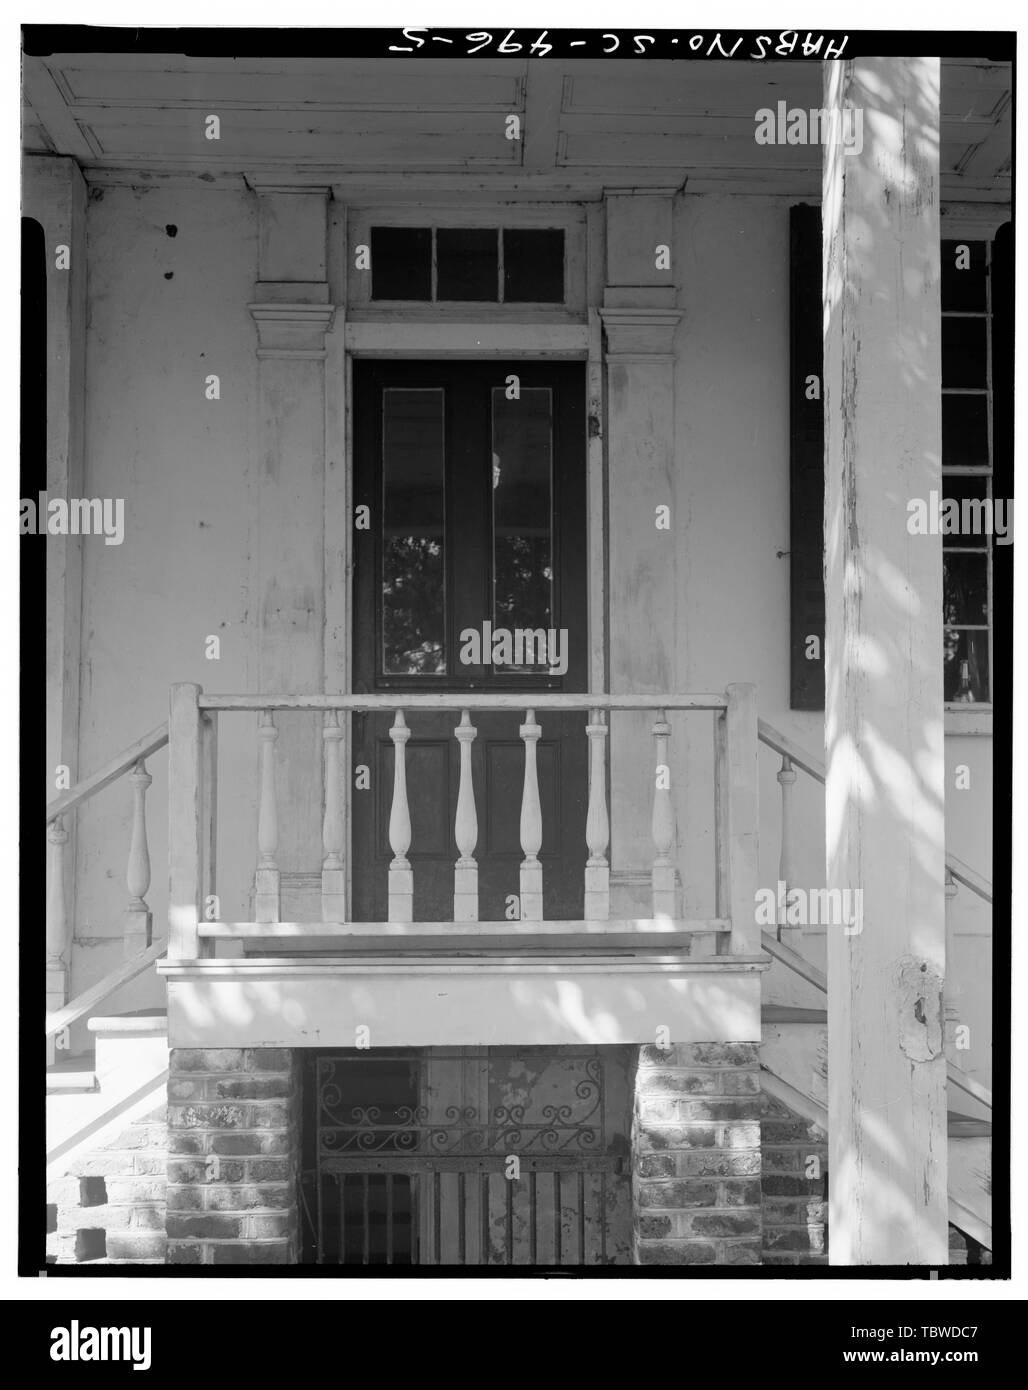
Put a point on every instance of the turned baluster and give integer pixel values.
(465, 873)
(333, 872)
(531, 826)
(786, 868)
(950, 1012)
(597, 824)
(663, 824)
(56, 907)
(138, 918)
(401, 875)
(266, 897)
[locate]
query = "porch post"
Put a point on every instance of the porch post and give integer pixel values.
(54, 193)
(639, 317)
(884, 699)
(292, 313)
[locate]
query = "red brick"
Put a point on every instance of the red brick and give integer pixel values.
(789, 1131)
(136, 1245)
(677, 1196)
(677, 1137)
(742, 1192)
(206, 1059)
(676, 1082)
(725, 1223)
(249, 1088)
(677, 1252)
(741, 1252)
(248, 1198)
(208, 1116)
(719, 1165)
(184, 1253)
(182, 1226)
(792, 1186)
(655, 1165)
(272, 1252)
(268, 1059)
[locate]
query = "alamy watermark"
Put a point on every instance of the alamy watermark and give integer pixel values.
(794, 125)
(73, 516)
(811, 907)
(521, 646)
(961, 516)
(77, 1343)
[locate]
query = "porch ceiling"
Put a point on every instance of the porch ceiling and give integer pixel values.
(396, 128)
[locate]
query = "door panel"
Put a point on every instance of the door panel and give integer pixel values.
(477, 505)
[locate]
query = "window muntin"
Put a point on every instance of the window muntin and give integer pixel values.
(967, 468)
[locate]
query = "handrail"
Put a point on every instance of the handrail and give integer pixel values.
(770, 736)
(798, 964)
(766, 733)
(89, 998)
(118, 765)
(963, 873)
(467, 699)
(802, 967)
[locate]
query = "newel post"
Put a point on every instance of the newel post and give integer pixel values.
(185, 823)
(741, 818)
(138, 918)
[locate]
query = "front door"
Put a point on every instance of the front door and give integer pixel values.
(473, 476)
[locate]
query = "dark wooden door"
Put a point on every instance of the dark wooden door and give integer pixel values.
(475, 488)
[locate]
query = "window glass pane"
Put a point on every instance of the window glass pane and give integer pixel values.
(965, 431)
(967, 489)
(401, 263)
(965, 677)
(413, 533)
(533, 266)
(466, 263)
(965, 586)
(523, 518)
(963, 352)
(963, 289)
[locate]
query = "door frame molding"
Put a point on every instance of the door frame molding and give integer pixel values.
(394, 336)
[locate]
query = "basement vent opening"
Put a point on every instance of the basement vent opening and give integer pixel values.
(92, 1192)
(90, 1245)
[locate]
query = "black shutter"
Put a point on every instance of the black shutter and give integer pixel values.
(806, 459)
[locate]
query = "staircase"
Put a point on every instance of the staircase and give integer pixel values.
(107, 1145)
(107, 1138)
(794, 1073)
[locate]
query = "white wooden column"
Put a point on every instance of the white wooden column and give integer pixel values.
(292, 313)
(639, 318)
(54, 193)
(883, 645)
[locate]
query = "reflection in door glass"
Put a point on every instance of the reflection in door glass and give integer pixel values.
(523, 511)
(413, 533)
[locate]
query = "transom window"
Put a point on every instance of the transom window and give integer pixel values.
(509, 265)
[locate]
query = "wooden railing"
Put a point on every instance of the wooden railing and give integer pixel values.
(793, 756)
(957, 871)
(193, 792)
(137, 918)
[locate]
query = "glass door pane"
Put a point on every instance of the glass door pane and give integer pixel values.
(522, 462)
(413, 532)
